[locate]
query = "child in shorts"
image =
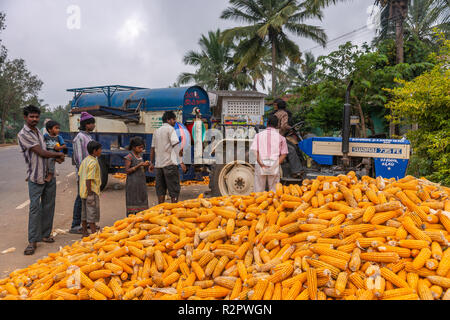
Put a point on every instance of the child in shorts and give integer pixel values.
(90, 181)
(55, 143)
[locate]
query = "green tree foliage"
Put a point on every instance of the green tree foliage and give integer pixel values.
(371, 72)
(3, 51)
(60, 114)
(422, 17)
(425, 101)
(18, 87)
(216, 69)
(269, 21)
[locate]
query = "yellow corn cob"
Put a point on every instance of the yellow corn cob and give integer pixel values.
(362, 228)
(409, 226)
(259, 289)
(423, 291)
(133, 293)
(268, 294)
(206, 258)
(357, 280)
(102, 273)
(366, 295)
(311, 279)
(321, 264)
(421, 258)
(226, 282)
(126, 268)
(187, 292)
(214, 292)
(282, 274)
(341, 282)
(369, 212)
(412, 279)
(220, 266)
(200, 274)
(382, 217)
(159, 260)
(95, 295)
(355, 260)
(173, 277)
(386, 257)
(103, 289)
(330, 252)
(65, 295)
(443, 282)
(392, 277)
(436, 292)
(116, 288)
(413, 244)
(339, 263)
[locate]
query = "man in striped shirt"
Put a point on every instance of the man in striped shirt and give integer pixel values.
(42, 194)
(80, 142)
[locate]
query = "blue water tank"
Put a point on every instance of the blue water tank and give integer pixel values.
(185, 98)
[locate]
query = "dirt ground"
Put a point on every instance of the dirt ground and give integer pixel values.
(112, 208)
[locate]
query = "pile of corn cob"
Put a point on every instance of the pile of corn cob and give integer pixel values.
(330, 238)
(123, 177)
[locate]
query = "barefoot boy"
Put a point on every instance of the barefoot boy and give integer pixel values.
(90, 182)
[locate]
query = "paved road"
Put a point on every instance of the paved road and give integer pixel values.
(14, 208)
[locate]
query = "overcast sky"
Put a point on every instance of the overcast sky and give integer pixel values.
(134, 42)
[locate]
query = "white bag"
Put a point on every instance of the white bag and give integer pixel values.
(271, 169)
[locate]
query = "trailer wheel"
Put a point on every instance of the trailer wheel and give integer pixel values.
(234, 178)
(103, 172)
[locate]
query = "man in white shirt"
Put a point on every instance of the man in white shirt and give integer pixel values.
(166, 148)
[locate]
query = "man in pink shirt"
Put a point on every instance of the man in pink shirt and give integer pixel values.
(271, 150)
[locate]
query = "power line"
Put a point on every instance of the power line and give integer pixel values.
(360, 30)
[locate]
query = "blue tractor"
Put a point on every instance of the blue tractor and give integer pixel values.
(373, 157)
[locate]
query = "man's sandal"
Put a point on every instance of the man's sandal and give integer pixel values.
(48, 240)
(30, 249)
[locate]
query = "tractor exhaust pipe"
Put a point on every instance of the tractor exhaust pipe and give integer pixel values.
(346, 126)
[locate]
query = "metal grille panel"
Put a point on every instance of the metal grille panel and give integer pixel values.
(241, 107)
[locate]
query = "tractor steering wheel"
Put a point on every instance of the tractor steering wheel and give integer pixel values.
(298, 125)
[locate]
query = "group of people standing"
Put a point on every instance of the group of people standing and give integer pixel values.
(42, 151)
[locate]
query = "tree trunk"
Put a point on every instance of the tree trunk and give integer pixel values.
(399, 40)
(274, 63)
(400, 10)
(363, 119)
(2, 127)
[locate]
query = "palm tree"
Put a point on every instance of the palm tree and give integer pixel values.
(268, 22)
(216, 68)
(394, 11)
(298, 75)
(425, 15)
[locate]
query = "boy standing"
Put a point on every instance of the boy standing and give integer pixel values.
(55, 143)
(80, 142)
(271, 150)
(89, 174)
